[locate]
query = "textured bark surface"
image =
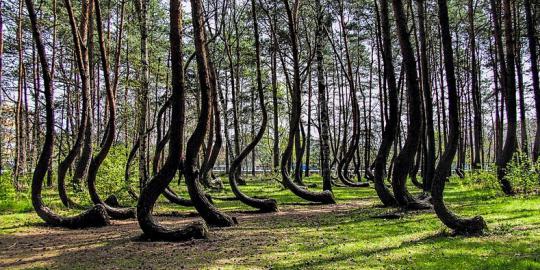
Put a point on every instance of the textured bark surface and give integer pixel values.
(322, 197)
(322, 100)
(509, 91)
(534, 70)
(159, 183)
(209, 212)
(405, 159)
(264, 205)
(94, 217)
(477, 224)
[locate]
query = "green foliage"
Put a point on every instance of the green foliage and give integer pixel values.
(12, 201)
(523, 173)
(483, 179)
(110, 178)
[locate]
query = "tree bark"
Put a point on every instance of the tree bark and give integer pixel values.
(322, 100)
(94, 217)
(534, 74)
(158, 184)
(141, 7)
(209, 212)
(461, 226)
(405, 159)
(510, 100)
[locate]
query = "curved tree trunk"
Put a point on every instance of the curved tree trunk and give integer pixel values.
(114, 212)
(209, 212)
(389, 133)
(325, 196)
(161, 180)
(405, 159)
(94, 217)
(264, 205)
(343, 165)
(81, 56)
(462, 226)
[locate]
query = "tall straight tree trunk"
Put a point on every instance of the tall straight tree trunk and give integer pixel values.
(275, 105)
(322, 99)
(141, 7)
(20, 150)
(524, 144)
(510, 101)
(308, 136)
(475, 89)
(477, 224)
(429, 157)
(534, 73)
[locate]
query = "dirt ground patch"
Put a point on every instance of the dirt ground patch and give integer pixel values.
(119, 246)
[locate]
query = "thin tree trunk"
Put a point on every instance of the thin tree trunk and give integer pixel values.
(264, 205)
(113, 211)
(141, 7)
(534, 74)
(322, 99)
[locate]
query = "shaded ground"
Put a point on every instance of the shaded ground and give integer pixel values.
(342, 236)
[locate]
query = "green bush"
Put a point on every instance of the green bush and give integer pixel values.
(523, 173)
(110, 177)
(486, 179)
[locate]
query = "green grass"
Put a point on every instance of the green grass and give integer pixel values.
(306, 236)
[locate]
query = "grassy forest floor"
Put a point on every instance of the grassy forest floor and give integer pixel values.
(299, 236)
